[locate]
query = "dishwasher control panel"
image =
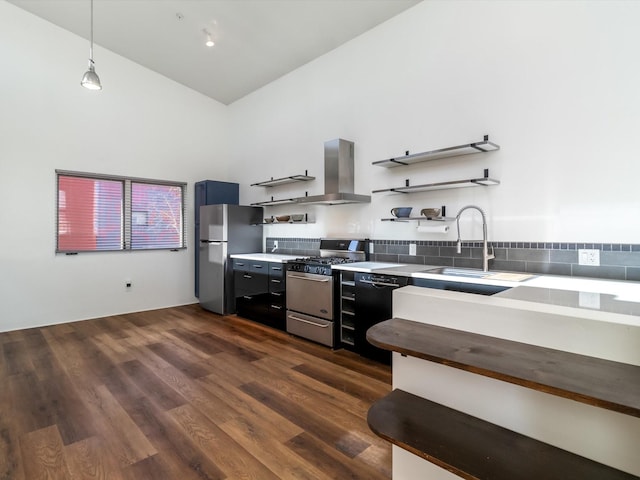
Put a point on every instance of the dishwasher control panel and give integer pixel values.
(382, 280)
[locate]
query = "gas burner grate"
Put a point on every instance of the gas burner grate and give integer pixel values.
(324, 260)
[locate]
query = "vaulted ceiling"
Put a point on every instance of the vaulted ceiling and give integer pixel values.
(256, 41)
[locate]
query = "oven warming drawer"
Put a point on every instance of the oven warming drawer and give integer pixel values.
(313, 328)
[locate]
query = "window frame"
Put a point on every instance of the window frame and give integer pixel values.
(127, 213)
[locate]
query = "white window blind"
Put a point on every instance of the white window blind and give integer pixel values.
(107, 213)
(156, 216)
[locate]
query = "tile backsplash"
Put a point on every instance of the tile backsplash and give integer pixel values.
(617, 261)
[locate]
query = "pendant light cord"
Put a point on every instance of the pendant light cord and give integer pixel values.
(91, 46)
(90, 79)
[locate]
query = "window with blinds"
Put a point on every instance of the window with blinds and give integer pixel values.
(109, 213)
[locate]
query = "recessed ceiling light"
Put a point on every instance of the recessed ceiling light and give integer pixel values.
(209, 42)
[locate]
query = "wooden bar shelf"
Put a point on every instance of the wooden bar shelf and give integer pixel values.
(475, 449)
(593, 381)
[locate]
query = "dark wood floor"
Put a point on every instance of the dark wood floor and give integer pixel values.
(181, 393)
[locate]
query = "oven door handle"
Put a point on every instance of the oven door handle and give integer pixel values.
(321, 325)
(324, 280)
(379, 284)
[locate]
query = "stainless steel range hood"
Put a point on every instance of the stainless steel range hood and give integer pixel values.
(338, 176)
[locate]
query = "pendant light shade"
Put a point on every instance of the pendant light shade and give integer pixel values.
(90, 79)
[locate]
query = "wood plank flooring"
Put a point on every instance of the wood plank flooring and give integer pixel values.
(182, 393)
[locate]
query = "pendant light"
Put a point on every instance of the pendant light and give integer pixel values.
(90, 79)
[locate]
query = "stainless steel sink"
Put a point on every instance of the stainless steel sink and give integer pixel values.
(472, 273)
(459, 272)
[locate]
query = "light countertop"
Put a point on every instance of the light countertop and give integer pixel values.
(602, 302)
(586, 294)
(368, 267)
(265, 257)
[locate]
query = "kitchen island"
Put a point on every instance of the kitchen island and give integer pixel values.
(572, 333)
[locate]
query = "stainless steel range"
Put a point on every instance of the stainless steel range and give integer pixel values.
(311, 288)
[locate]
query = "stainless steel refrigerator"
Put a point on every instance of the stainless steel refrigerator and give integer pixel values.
(225, 230)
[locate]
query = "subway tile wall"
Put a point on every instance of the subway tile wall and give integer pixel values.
(293, 246)
(617, 261)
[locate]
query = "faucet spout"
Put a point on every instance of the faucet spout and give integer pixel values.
(486, 256)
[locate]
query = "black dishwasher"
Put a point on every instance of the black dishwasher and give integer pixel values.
(373, 304)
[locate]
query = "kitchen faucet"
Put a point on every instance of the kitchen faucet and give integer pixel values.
(485, 252)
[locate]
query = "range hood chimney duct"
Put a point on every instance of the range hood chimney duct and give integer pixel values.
(338, 176)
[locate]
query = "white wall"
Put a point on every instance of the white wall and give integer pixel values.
(141, 124)
(554, 83)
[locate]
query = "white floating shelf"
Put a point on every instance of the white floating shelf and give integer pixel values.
(459, 150)
(471, 182)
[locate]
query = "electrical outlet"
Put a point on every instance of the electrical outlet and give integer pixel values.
(589, 257)
(128, 283)
(412, 249)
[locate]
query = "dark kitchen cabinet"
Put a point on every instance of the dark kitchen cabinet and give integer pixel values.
(373, 304)
(210, 192)
(277, 295)
(347, 310)
(260, 291)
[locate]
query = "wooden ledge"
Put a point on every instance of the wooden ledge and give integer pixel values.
(602, 383)
(475, 449)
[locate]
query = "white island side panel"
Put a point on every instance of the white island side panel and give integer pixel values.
(602, 435)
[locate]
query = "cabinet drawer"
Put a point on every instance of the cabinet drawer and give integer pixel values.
(240, 264)
(277, 297)
(249, 283)
(258, 266)
(276, 284)
(277, 311)
(313, 328)
(251, 265)
(276, 269)
(251, 306)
